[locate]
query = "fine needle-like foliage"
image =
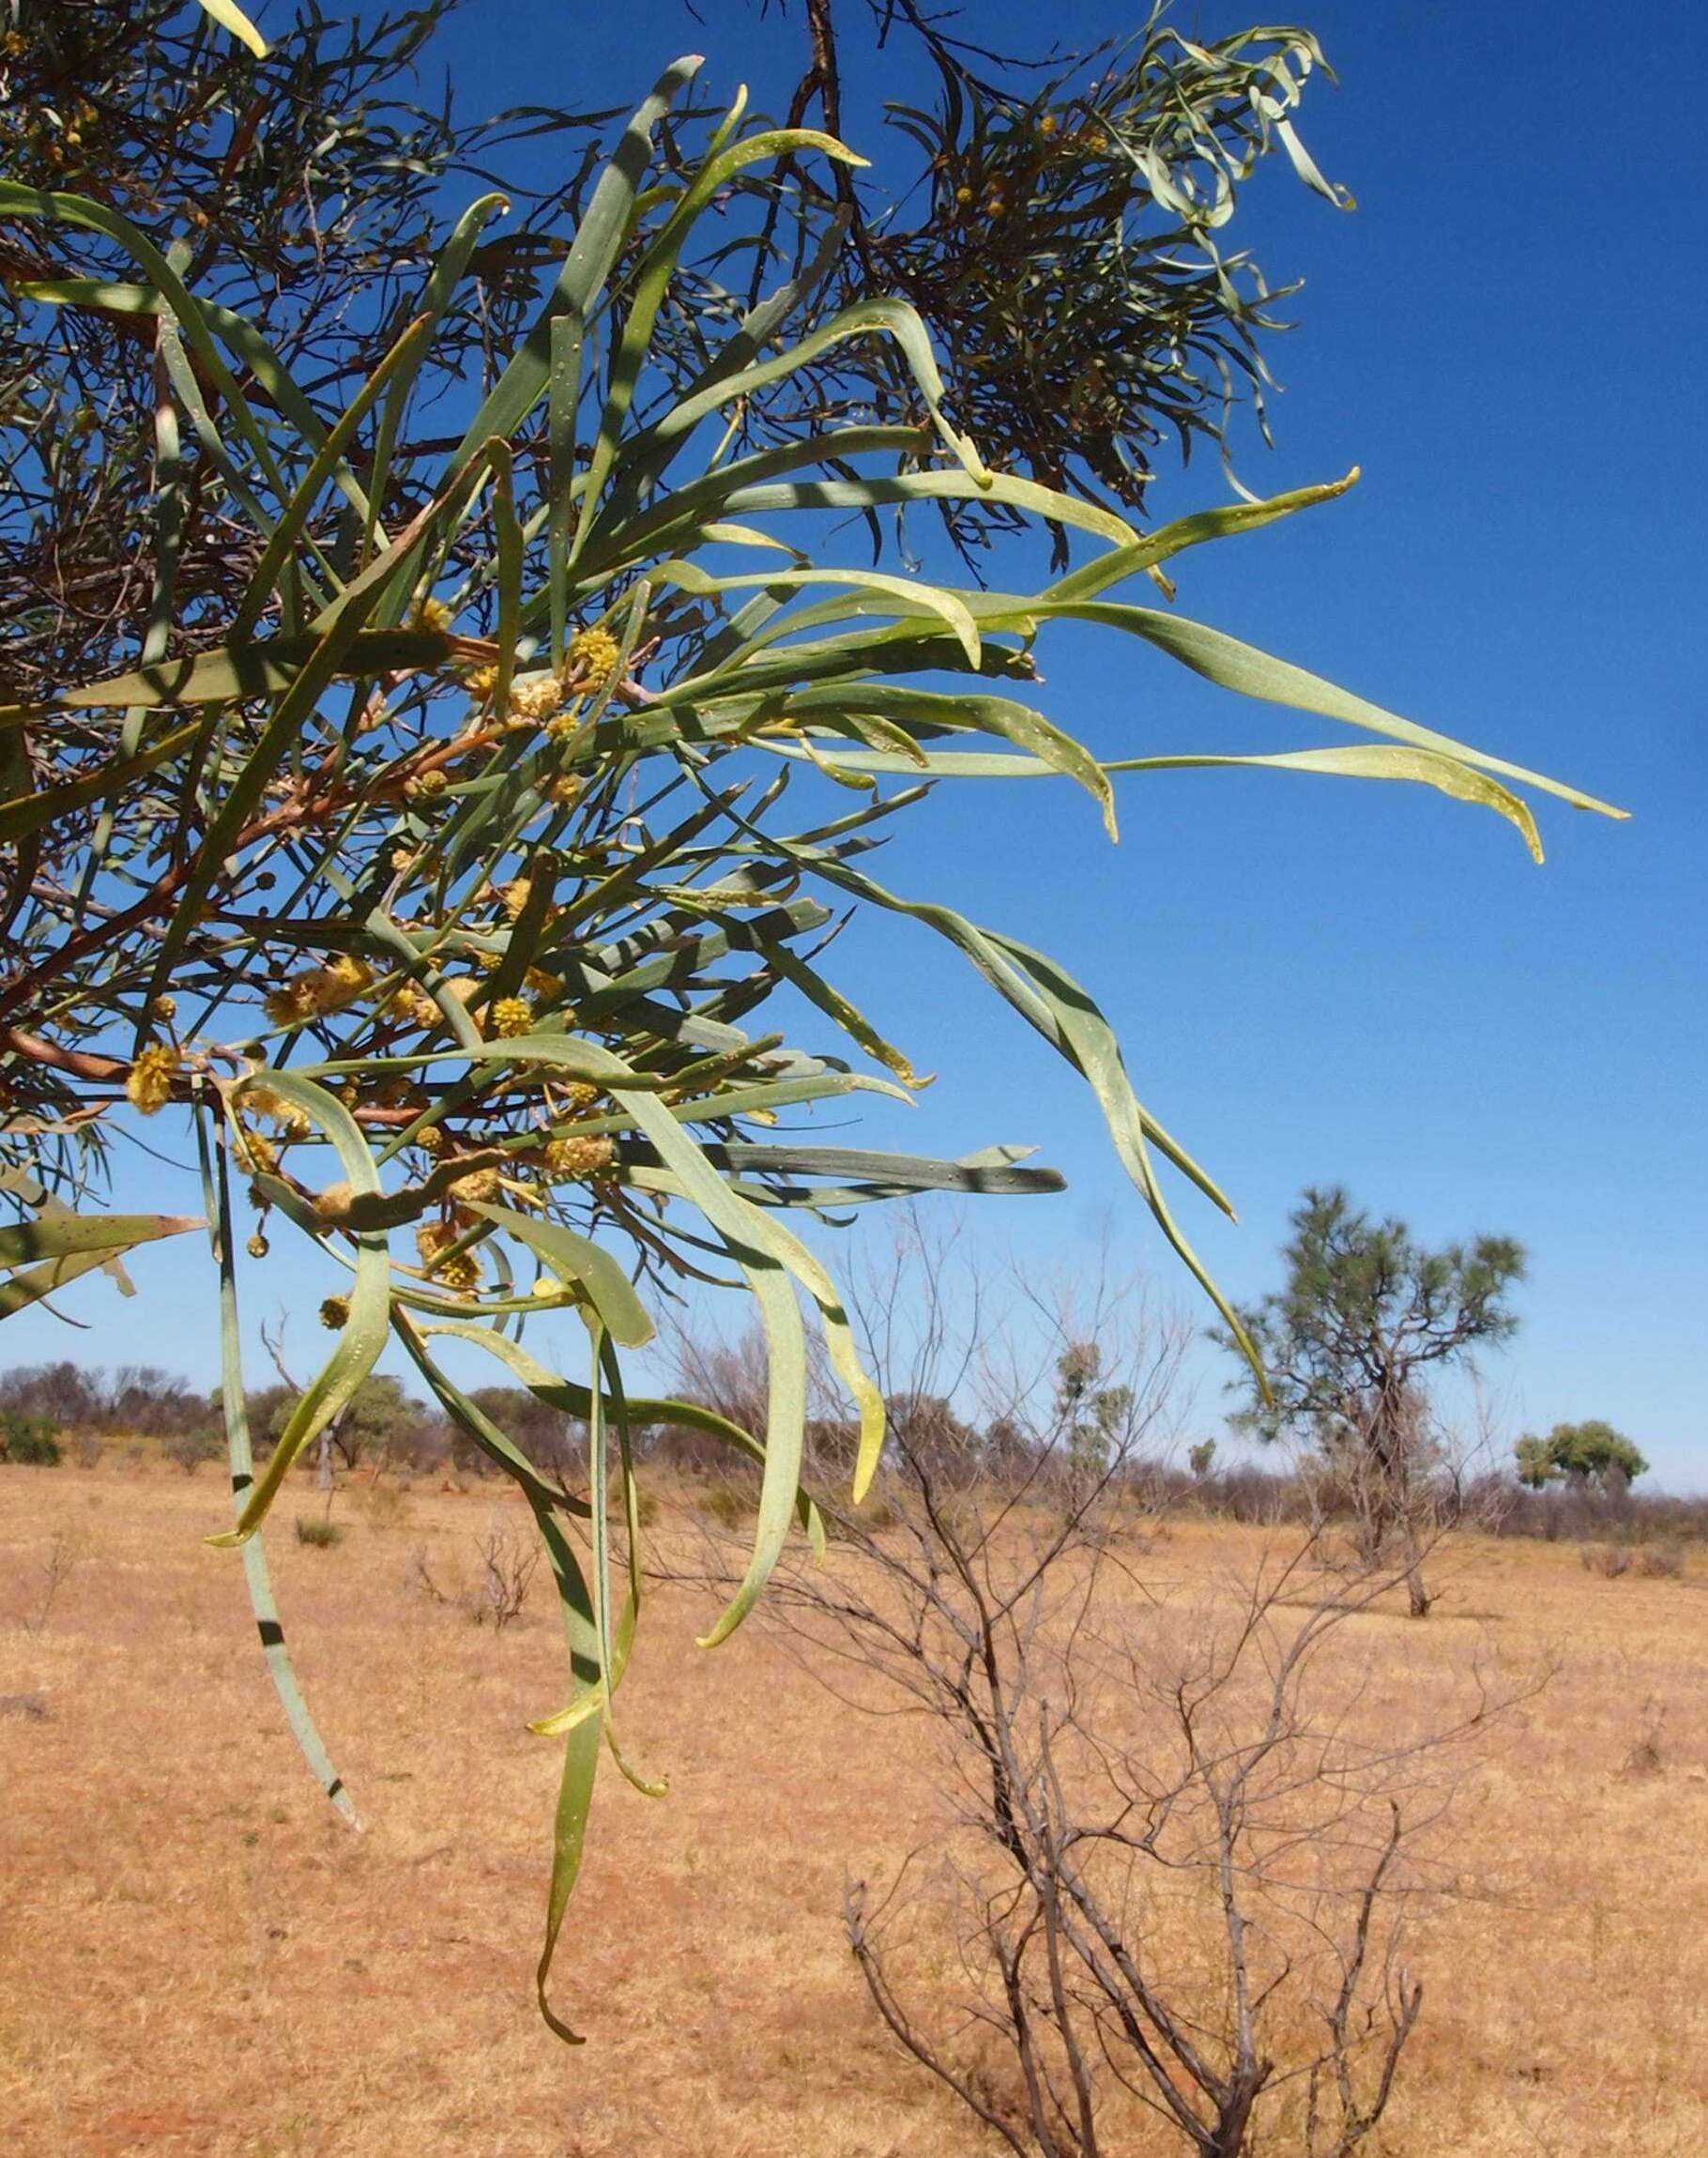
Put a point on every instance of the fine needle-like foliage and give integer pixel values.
(440, 873)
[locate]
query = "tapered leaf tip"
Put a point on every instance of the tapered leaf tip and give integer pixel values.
(232, 18)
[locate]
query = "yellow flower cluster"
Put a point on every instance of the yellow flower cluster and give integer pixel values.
(258, 1150)
(411, 1006)
(479, 682)
(262, 1101)
(433, 615)
(335, 1313)
(82, 118)
(593, 657)
(510, 1017)
(515, 895)
(461, 1271)
(149, 1083)
(578, 1156)
(327, 988)
(537, 697)
(427, 785)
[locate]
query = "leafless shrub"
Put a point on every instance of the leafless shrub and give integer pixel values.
(507, 1561)
(422, 1578)
(1181, 1860)
(496, 1596)
(1660, 1561)
(728, 1376)
(1647, 1757)
(1610, 1559)
(64, 1556)
(86, 1450)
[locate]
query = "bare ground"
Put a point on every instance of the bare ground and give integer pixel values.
(198, 1960)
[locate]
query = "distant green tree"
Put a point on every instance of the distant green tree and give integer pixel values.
(379, 1414)
(1364, 1315)
(551, 1440)
(1581, 1454)
(1201, 1458)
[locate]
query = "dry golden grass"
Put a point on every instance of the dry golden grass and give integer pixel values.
(197, 1959)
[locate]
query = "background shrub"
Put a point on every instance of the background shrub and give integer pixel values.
(30, 1441)
(729, 1504)
(190, 1449)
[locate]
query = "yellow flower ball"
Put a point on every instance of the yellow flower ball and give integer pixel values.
(510, 1017)
(463, 1272)
(593, 657)
(149, 1083)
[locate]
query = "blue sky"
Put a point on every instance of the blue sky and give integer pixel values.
(1317, 981)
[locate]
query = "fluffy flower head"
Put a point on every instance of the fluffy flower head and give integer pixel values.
(149, 1083)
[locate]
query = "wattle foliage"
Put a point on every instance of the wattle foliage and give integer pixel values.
(443, 879)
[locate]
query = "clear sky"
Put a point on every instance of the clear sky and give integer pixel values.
(1316, 981)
